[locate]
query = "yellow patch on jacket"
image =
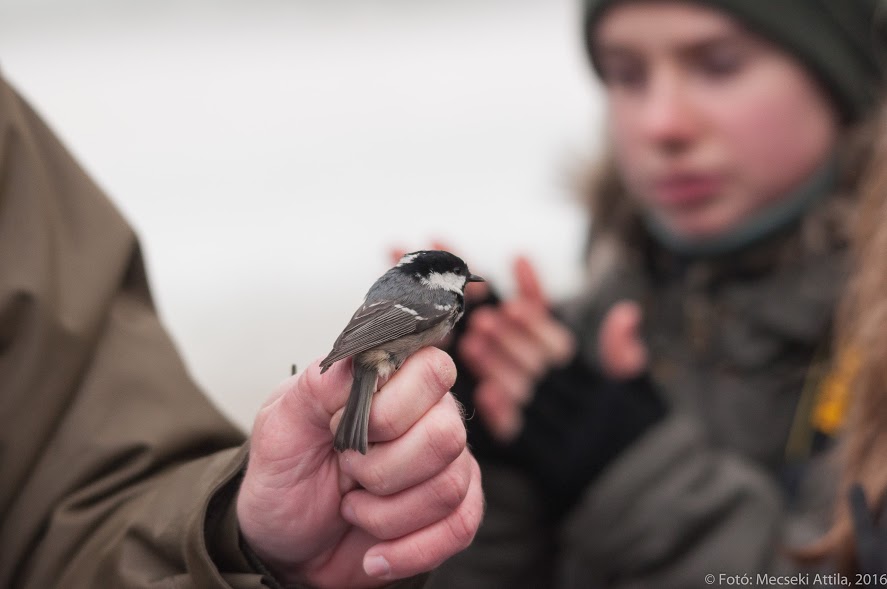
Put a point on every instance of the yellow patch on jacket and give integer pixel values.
(833, 396)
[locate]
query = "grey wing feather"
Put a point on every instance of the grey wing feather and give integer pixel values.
(379, 323)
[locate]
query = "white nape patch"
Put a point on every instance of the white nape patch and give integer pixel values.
(447, 281)
(406, 259)
(443, 307)
(412, 312)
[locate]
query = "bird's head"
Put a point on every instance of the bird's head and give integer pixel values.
(438, 269)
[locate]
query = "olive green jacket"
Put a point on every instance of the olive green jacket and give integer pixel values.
(116, 471)
(710, 489)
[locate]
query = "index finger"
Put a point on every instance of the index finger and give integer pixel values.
(410, 393)
(528, 284)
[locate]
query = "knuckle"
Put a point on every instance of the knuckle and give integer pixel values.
(379, 525)
(375, 481)
(447, 435)
(471, 512)
(427, 557)
(462, 526)
(451, 487)
(383, 422)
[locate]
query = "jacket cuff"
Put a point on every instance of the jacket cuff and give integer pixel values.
(221, 543)
(220, 530)
(225, 545)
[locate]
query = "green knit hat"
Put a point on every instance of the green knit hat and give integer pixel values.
(841, 41)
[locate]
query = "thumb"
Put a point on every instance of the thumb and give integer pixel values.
(528, 284)
(622, 352)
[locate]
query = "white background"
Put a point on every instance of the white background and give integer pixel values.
(270, 153)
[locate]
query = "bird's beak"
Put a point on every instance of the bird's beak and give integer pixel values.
(475, 278)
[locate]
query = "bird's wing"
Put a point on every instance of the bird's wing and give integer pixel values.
(381, 322)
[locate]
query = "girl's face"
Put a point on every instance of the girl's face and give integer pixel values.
(711, 123)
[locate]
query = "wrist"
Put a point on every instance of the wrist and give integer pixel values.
(268, 551)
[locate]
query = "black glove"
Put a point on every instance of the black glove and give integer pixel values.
(577, 423)
(870, 535)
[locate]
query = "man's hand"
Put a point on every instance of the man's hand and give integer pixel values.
(331, 520)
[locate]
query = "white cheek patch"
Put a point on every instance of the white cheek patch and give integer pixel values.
(407, 259)
(447, 281)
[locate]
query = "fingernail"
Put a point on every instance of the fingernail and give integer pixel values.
(376, 566)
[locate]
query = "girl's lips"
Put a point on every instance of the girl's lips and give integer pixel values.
(686, 189)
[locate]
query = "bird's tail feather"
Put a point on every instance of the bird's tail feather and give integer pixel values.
(352, 430)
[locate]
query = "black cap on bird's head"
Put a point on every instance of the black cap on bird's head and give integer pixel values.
(438, 269)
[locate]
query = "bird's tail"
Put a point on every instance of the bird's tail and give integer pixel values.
(352, 430)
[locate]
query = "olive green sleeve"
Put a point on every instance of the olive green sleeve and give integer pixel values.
(117, 471)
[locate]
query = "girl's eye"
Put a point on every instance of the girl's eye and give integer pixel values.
(623, 74)
(720, 62)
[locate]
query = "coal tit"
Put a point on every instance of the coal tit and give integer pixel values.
(413, 305)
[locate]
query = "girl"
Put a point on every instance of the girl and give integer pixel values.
(663, 426)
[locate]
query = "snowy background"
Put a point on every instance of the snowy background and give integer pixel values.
(270, 153)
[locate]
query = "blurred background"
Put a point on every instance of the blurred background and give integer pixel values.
(270, 153)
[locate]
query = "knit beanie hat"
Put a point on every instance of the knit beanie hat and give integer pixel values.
(841, 41)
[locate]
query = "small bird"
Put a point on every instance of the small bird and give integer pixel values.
(414, 304)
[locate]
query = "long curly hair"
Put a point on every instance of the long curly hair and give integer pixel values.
(862, 335)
